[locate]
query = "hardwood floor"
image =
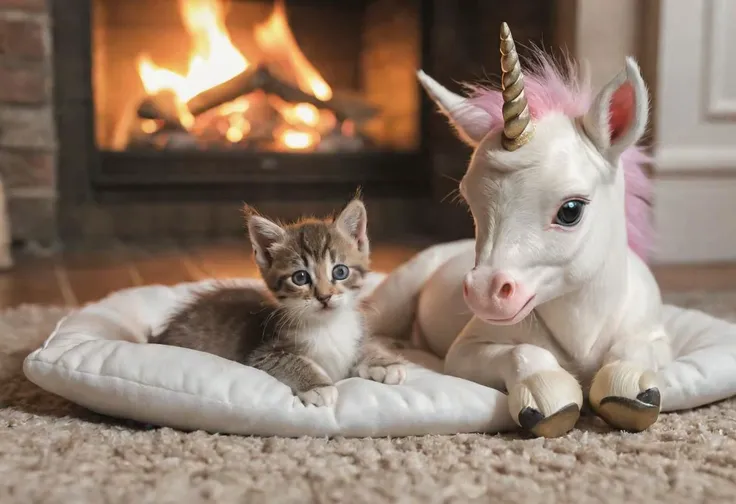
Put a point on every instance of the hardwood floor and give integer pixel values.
(80, 276)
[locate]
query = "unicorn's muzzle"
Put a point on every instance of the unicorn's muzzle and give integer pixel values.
(496, 297)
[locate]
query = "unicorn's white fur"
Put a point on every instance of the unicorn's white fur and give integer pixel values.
(559, 310)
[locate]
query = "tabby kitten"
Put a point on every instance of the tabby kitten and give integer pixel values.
(306, 329)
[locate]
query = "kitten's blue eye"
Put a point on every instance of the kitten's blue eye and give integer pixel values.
(570, 213)
(300, 278)
(340, 272)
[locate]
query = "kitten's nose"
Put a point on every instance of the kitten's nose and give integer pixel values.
(323, 298)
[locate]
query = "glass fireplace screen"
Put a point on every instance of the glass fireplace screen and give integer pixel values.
(258, 76)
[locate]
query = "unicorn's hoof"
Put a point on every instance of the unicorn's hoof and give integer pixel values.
(625, 396)
(547, 403)
(556, 425)
(634, 415)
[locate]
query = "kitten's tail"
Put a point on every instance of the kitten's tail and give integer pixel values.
(394, 301)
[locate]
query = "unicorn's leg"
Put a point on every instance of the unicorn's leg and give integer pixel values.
(543, 398)
(625, 392)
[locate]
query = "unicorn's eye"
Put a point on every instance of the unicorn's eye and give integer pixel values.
(340, 272)
(300, 278)
(570, 213)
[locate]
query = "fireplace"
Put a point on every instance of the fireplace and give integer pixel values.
(255, 93)
(171, 113)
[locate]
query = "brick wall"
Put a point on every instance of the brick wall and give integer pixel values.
(27, 134)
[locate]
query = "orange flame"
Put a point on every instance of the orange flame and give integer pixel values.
(274, 37)
(214, 60)
(298, 140)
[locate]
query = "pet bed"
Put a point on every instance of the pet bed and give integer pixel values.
(99, 357)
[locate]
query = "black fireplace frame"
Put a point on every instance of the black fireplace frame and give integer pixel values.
(457, 43)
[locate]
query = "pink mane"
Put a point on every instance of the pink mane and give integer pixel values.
(547, 90)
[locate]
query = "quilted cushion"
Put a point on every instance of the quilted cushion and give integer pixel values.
(98, 357)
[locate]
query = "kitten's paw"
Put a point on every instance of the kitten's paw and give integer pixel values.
(393, 374)
(319, 396)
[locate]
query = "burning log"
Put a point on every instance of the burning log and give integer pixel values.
(351, 107)
(163, 106)
(259, 77)
(343, 106)
(252, 79)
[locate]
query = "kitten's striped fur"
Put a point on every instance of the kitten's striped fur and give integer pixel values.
(308, 336)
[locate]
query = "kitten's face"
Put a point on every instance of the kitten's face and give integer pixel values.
(314, 267)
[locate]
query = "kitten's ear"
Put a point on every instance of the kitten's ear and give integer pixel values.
(263, 235)
(618, 116)
(353, 221)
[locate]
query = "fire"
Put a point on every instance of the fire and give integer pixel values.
(214, 60)
(298, 140)
(274, 37)
(307, 113)
(149, 126)
(300, 114)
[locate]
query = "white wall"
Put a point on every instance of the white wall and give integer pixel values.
(687, 49)
(695, 148)
(606, 32)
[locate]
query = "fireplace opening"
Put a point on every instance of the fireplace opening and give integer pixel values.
(256, 76)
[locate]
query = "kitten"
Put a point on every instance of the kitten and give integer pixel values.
(306, 329)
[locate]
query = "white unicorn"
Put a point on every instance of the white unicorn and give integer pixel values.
(562, 307)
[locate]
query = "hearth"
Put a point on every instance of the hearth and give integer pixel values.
(170, 113)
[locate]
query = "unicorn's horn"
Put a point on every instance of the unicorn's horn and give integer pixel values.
(518, 128)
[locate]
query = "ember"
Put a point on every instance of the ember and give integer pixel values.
(273, 99)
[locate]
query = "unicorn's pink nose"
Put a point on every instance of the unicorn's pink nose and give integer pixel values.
(502, 286)
(495, 296)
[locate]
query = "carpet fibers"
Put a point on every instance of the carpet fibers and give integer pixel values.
(53, 451)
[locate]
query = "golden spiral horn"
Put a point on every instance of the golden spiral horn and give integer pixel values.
(518, 127)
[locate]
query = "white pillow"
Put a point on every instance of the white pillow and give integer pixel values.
(98, 357)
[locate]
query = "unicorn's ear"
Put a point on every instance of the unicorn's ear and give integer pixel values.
(472, 123)
(618, 116)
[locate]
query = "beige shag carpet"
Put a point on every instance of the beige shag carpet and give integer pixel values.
(53, 451)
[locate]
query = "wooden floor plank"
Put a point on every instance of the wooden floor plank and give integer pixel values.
(230, 259)
(688, 277)
(163, 264)
(93, 274)
(31, 281)
(87, 275)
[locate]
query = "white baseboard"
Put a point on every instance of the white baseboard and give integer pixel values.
(695, 219)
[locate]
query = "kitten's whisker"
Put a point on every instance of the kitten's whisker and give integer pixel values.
(265, 325)
(454, 193)
(300, 320)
